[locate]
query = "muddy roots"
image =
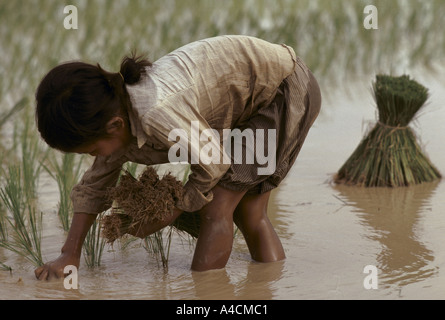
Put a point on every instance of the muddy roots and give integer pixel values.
(144, 201)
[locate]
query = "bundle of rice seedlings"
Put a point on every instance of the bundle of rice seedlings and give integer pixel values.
(145, 200)
(390, 156)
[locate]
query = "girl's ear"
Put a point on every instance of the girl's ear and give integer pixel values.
(115, 125)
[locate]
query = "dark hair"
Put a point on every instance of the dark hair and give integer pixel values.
(75, 101)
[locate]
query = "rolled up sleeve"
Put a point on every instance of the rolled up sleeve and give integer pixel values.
(90, 194)
(198, 189)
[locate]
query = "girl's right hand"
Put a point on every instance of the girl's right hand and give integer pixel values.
(54, 269)
(71, 250)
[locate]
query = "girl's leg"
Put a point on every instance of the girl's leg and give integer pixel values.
(215, 239)
(251, 218)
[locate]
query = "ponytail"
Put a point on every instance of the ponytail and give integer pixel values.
(132, 67)
(131, 70)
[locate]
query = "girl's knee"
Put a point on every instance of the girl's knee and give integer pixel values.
(251, 210)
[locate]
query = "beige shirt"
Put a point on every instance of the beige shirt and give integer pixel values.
(217, 83)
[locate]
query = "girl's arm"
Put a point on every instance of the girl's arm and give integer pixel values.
(71, 250)
(143, 230)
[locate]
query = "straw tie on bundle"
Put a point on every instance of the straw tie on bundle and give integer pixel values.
(389, 156)
(145, 200)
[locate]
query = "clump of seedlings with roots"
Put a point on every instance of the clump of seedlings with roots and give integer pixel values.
(145, 200)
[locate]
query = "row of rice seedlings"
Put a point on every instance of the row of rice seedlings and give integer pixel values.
(94, 245)
(29, 151)
(24, 222)
(308, 26)
(155, 245)
(66, 172)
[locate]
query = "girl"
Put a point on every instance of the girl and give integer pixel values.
(226, 82)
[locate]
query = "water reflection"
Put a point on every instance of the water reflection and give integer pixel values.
(393, 216)
(256, 284)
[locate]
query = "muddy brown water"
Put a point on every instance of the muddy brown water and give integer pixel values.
(330, 233)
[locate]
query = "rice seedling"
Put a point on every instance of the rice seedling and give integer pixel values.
(25, 223)
(66, 172)
(22, 228)
(32, 154)
(389, 156)
(7, 115)
(5, 267)
(3, 223)
(154, 244)
(94, 245)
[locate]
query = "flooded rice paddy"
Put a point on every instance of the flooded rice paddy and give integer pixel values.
(329, 232)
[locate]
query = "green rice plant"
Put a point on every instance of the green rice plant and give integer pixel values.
(66, 172)
(5, 267)
(390, 155)
(94, 245)
(25, 222)
(329, 35)
(21, 229)
(33, 156)
(3, 223)
(160, 249)
(7, 115)
(28, 150)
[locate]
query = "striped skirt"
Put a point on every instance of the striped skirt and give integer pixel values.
(287, 121)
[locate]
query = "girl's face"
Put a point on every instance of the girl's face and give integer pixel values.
(119, 136)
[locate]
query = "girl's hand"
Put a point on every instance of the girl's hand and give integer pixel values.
(71, 250)
(54, 269)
